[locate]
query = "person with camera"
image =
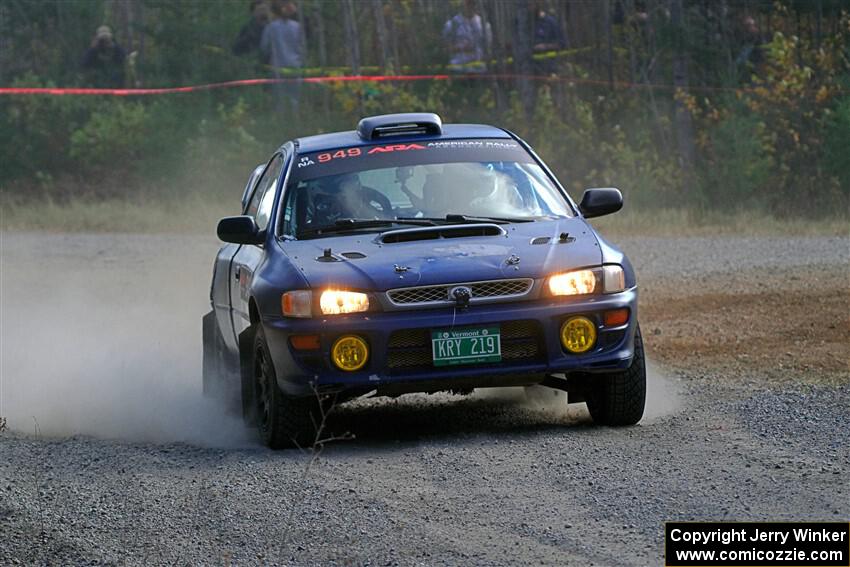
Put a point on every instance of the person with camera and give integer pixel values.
(103, 62)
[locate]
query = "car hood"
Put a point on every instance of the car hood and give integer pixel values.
(525, 250)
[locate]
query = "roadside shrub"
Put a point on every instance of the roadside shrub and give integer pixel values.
(792, 102)
(220, 154)
(36, 130)
(115, 135)
(587, 151)
(837, 144)
(736, 167)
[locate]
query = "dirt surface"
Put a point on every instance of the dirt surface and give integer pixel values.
(113, 457)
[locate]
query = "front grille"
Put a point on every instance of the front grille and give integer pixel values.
(439, 294)
(410, 349)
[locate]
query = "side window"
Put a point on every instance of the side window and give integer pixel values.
(261, 203)
(287, 213)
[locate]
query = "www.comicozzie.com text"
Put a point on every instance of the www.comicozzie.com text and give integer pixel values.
(743, 534)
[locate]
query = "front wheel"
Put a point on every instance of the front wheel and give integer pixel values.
(282, 421)
(619, 398)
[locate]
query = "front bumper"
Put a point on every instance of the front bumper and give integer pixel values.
(299, 371)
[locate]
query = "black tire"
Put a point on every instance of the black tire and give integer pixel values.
(282, 421)
(619, 398)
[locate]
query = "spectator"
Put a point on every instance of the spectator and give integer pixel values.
(467, 38)
(751, 44)
(548, 37)
(283, 43)
(103, 62)
(248, 40)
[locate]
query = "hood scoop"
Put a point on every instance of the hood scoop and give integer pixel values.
(328, 256)
(439, 232)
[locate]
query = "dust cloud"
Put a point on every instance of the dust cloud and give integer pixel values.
(662, 398)
(100, 336)
(662, 394)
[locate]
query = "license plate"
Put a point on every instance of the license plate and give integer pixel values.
(466, 346)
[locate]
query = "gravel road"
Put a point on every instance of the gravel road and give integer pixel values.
(111, 456)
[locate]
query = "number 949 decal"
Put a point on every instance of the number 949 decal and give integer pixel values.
(356, 152)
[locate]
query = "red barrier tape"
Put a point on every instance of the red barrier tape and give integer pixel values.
(356, 78)
(214, 86)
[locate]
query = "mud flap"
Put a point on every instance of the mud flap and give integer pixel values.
(210, 369)
(220, 368)
(246, 373)
(575, 385)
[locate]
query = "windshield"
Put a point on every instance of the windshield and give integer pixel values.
(433, 180)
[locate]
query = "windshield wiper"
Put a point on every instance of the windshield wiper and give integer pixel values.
(343, 225)
(453, 218)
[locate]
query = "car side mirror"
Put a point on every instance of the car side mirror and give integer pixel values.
(240, 230)
(600, 201)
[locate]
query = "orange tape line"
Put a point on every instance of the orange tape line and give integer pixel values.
(357, 78)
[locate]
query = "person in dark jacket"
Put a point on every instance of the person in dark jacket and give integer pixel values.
(284, 44)
(248, 40)
(548, 38)
(103, 61)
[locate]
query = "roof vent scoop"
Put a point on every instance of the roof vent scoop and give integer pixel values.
(406, 124)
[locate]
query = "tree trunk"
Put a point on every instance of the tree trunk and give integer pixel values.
(684, 126)
(321, 41)
(384, 53)
(522, 55)
(352, 36)
(319, 19)
(609, 33)
(818, 35)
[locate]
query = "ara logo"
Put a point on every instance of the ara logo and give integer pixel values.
(395, 148)
(305, 161)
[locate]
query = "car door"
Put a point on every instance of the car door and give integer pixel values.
(249, 256)
(221, 287)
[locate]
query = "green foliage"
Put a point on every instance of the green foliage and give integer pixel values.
(356, 100)
(587, 151)
(784, 133)
(116, 132)
(791, 100)
(837, 144)
(223, 151)
(35, 131)
(737, 167)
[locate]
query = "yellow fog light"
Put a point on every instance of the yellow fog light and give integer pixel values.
(350, 353)
(578, 334)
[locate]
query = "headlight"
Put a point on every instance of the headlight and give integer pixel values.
(334, 302)
(296, 304)
(579, 282)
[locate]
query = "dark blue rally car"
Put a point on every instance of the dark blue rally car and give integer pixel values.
(415, 256)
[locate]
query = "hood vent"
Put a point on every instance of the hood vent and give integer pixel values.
(354, 255)
(328, 256)
(540, 240)
(438, 232)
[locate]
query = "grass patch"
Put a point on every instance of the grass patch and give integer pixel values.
(693, 222)
(193, 214)
(196, 213)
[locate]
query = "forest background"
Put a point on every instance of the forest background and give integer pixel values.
(677, 102)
